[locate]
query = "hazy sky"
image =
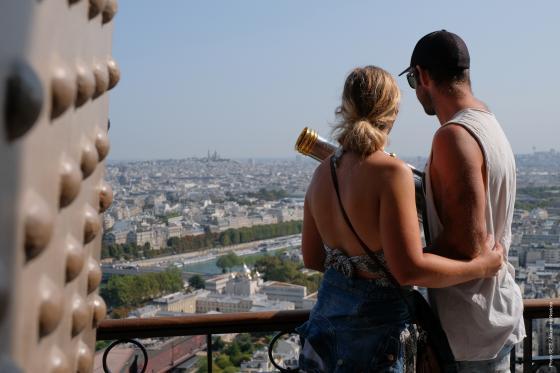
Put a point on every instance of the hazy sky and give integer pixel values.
(244, 77)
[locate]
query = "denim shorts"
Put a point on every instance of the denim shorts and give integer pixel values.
(355, 326)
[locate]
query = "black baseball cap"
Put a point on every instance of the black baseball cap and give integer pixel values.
(442, 50)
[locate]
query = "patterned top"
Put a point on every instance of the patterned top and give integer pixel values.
(347, 265)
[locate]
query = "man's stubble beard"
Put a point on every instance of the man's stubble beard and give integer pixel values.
(426, 101)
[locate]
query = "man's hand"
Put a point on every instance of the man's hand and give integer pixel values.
(491, 257)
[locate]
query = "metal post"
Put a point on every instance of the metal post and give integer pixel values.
(528, 346)
(209, 352)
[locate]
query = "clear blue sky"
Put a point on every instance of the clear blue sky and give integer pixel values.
(244, 77)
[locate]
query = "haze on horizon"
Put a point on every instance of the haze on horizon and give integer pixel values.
(244, 78)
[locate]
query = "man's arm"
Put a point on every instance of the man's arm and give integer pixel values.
(458, 177)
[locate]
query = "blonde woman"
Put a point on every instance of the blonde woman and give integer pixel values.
(360, 323)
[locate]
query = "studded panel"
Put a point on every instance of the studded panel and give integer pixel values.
(56, 70)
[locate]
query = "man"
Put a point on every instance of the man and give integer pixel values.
(470, 192)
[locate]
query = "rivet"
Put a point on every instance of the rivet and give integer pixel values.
(23, 102)
(85, 84)
(94, 275)
(109, 11)
(74, 258)
(38, 226)
(63, 92)
(91, 224)
(339, 362)
(101, 74)
(102, 144)
(114, 73)
(85, 358)
(95, 7)
(80, 315)
(89, 158)
(70, 181)
(99, 310)
(58, 362)
(105, 196)
(391, 357)
(51, 308)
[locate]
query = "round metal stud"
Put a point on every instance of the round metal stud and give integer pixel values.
(85, 358)
(80, 315)
(75, 258)
(89, 158)
(101, 74)
(102, 144)
(110, 10)
(95, 7)
(114, 73)
(24, 100)
(92, 224)
(94, 275)
(99, 310)
(105, 196)
(85, 85)
(58, 362)
(70, 181)
(63, 92)
(51, 308)
(38, 226)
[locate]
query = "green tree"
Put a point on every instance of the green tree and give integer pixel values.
(223, 361)
(228, 261)
(217, 344)
(202, 366)
(197, 282)
(245, 343)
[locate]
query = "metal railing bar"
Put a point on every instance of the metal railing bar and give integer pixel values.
(200, 324)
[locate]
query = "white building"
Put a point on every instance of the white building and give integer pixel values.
(180, 302)
(277, 290)
(242, 284)
(225, 304)
(218, 283)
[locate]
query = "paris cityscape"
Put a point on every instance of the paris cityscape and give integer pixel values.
(215, 235)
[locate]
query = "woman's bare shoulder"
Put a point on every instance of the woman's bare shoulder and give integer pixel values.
(387, 167)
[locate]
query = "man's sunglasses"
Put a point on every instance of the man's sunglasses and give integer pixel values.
(412, 80)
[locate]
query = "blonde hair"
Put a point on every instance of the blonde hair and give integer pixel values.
(370, 104)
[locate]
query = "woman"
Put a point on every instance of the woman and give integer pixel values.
(360, 322)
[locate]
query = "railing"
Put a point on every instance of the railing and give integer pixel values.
(283, 321)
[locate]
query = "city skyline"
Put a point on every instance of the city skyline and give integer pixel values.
(245, 78)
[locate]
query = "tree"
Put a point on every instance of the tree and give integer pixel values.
(197, 282)
(224, 239)
(228, 261)
(245, 343)
(218, 344)
(202, 366)
(223, 361)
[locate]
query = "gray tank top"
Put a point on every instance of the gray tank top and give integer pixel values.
(481, 316)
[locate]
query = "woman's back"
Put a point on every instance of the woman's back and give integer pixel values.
(361, 184)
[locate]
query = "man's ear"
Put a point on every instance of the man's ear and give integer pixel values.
(423, 76)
